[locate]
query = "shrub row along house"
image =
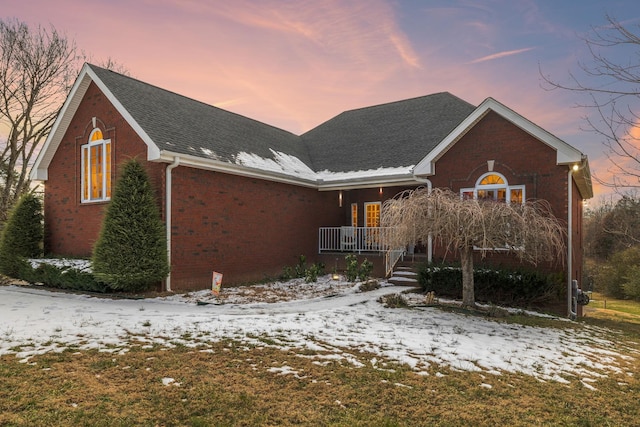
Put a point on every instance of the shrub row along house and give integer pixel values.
(245, 198)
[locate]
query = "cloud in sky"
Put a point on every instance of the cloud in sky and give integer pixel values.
(499, 55)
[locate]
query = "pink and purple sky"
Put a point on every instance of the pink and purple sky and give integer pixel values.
(296, 63)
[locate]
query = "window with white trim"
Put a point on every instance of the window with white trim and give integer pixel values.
(494, 186)
(96, 168)
(354, 214)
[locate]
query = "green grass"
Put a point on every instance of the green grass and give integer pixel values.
(236, 384)
(603, 307)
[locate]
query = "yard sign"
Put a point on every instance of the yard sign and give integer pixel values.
(216, 283)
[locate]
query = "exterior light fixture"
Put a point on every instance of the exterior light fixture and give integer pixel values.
(340, 198)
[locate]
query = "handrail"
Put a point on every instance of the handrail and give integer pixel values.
(391, 257)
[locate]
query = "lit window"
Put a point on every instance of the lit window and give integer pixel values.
(96, 168)
(354, 214)
(493, 186)
(492, 179)
(372, 214)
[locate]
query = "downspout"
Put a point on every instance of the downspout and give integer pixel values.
(176, 162)
(430, 238)
(570, 313)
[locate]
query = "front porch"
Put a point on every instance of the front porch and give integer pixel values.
(360, 240)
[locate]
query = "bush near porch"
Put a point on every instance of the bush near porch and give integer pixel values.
(516, 288)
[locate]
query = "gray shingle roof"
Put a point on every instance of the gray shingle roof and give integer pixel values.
(182, 125)
(389, 135)
(396, 134)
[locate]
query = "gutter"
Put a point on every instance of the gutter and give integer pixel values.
(176, 162)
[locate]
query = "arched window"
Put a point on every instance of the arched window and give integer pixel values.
(96, 168)
(494, 186)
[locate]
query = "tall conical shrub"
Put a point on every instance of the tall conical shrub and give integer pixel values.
(22, 235)
(131, 251)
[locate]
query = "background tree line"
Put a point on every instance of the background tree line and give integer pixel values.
(612, 247)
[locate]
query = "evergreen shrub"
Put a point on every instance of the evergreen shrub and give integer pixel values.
(22, 235)
(62, 278)
(354, 271)
(497, 286)
(131, 252)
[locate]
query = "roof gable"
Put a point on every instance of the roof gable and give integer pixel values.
(66, 114)
(173, 125)
(565, 153)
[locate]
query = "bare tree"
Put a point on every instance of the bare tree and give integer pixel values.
(466, 226)
(612, 94)
(36, 71)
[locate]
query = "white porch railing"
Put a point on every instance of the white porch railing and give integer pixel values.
(359, 240)
(352, 239)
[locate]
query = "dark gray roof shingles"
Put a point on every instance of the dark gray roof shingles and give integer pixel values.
(397, 134)
(182, 125)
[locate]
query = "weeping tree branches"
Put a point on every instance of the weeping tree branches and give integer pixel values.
(462, 226)
(37, 69)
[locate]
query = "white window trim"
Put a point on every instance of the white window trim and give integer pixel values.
(504, 186)
(354, 220)
(86, 157)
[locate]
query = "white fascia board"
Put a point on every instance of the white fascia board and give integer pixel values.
(240, 170)
(565, 153)
(233, 169)
(153, 152)
(39, 171)
(373, 182)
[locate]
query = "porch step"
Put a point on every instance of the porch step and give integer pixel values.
(404, 276)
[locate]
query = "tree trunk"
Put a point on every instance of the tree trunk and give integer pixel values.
(466, 258)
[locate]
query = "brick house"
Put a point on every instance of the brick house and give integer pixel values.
(245, 198)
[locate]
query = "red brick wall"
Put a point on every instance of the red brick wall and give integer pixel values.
(245, 228)
(360, 197)
(72, 227)
(518, 156)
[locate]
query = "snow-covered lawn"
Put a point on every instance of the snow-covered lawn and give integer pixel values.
(330, 317)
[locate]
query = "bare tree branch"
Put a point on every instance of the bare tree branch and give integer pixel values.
(613, 94)
(37, 68)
